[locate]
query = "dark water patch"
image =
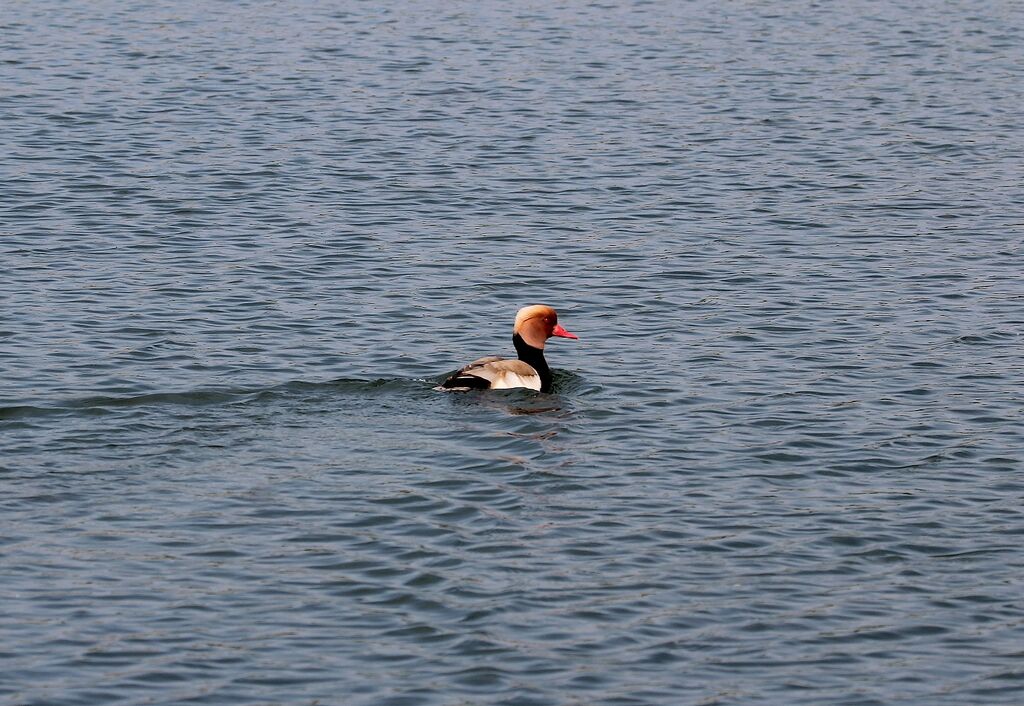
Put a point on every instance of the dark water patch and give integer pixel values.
(100, 405)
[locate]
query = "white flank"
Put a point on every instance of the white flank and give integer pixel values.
(508, 380)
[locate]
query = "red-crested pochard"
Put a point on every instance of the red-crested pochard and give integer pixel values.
(534, 326)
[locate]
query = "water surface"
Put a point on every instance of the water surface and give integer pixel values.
(240, 242)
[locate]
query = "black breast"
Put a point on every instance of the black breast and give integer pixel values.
(535, 358)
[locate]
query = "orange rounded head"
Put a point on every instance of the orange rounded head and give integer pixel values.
(537, 323)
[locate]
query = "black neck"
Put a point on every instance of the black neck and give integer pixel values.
(534, 357)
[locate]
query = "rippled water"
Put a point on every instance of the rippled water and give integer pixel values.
(240, 242)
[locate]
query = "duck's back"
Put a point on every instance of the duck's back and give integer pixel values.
(494, 373)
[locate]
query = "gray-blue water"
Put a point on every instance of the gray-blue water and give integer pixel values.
(241, 241)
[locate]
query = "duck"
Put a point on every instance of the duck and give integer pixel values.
(534, 325)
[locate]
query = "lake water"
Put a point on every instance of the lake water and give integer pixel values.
(240, 242)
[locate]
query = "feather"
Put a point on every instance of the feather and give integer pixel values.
(494, 373)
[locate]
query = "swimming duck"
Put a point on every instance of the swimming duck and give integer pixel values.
(534, 326)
